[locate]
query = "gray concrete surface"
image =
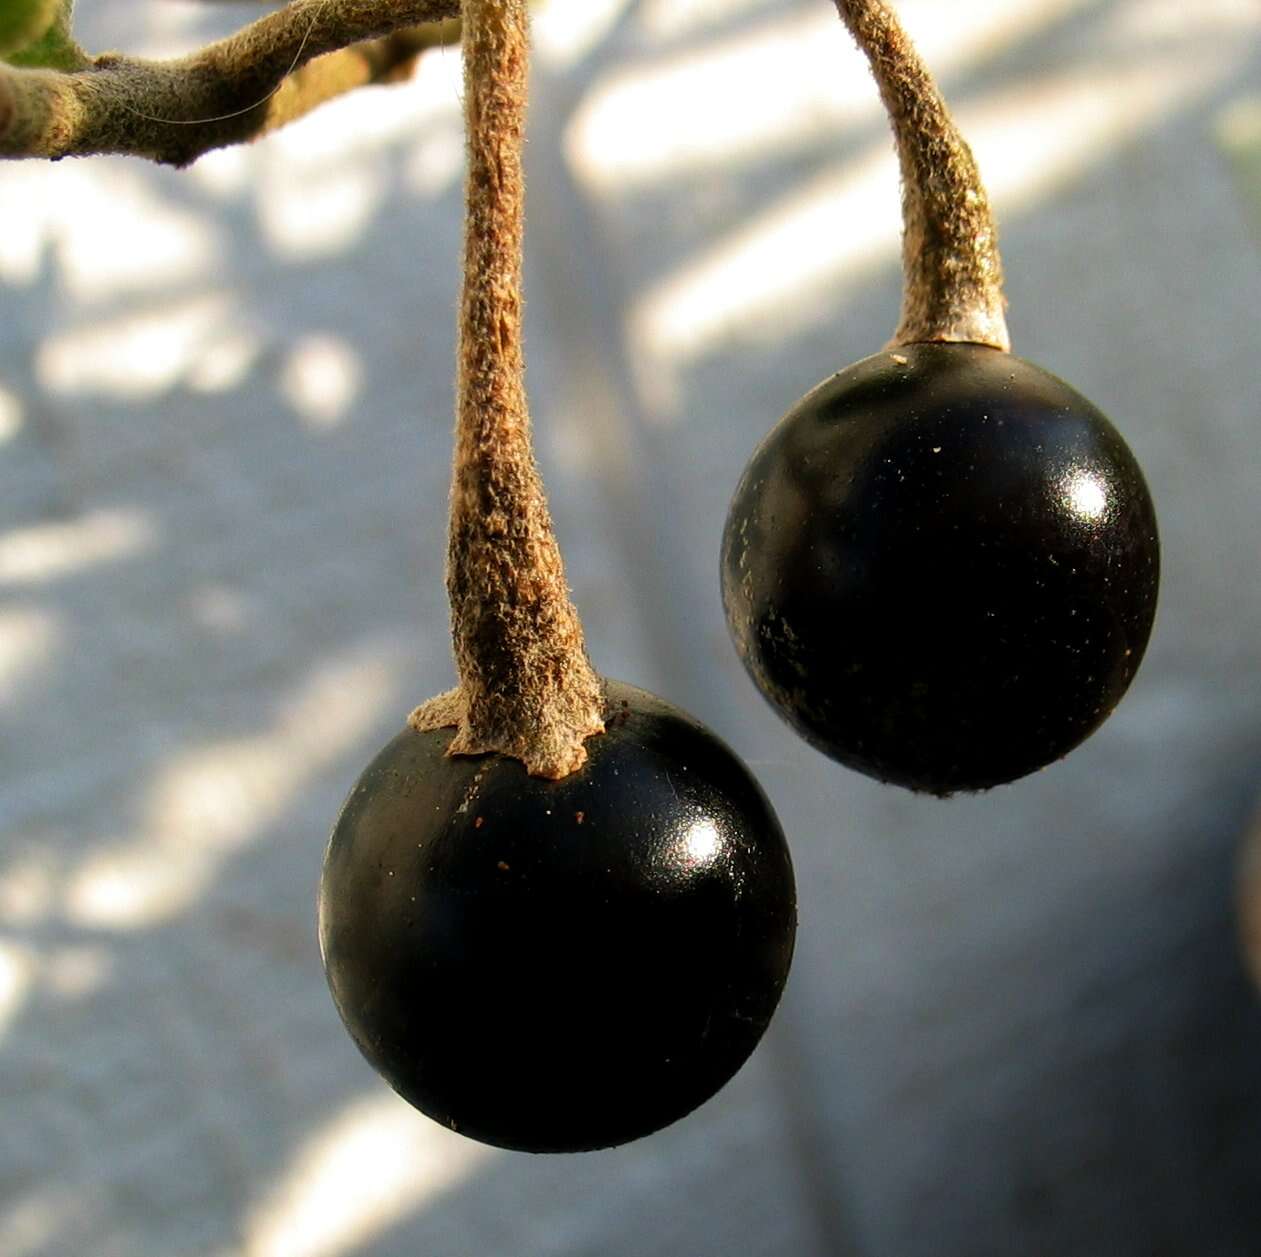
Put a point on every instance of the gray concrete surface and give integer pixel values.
(1018, 1024)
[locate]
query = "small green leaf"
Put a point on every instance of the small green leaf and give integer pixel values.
(51, 47)
(22, 22)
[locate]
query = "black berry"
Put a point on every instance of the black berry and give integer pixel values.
(941, 567)
(559, 965)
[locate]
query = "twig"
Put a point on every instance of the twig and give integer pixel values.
(264, 76)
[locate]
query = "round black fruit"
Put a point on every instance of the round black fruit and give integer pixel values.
(558, 966)
(941, 567)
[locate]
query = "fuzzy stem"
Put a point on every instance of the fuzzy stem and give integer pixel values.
(230, 91)
(953, 277)
(526, 687)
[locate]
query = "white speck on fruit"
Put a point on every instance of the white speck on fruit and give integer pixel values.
(471, 793)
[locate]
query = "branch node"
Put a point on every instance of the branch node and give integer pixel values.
(231, 91)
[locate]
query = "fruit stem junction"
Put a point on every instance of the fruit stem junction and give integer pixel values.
(953, 276)
(526, 687)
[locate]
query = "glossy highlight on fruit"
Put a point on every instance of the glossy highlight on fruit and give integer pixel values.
(558, 966)
(941, 567)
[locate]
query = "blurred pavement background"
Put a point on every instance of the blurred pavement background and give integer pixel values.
(1018, 1024)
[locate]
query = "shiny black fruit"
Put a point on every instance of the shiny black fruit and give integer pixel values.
(558, 966)
(941, 567)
